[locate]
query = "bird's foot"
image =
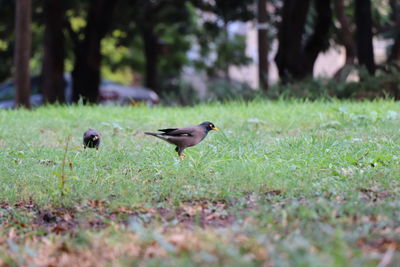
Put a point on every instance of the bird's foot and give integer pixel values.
(182, 156)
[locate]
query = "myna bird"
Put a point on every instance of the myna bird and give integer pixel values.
(91, 139)
(186, 136)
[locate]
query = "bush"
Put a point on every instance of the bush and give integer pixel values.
(179, 92)
(351, 82)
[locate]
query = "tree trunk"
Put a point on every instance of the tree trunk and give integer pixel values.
(365, 51)
(225, 64)
(151, 55)
(263, 45)
(22, 53)
(319, 40)
(53, 84)
(86, 73)
(345, 32)
(290, 35)
(295, 58)
(395, 50)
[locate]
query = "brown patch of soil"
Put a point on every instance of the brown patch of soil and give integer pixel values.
(96, 215)
(380, 244)
(374, 194)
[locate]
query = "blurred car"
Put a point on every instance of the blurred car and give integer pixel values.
(118, 94)
(110, 93)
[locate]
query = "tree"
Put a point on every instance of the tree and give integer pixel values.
(86, 72)
(365, 51)
(53, 84)
(295, 58)
(345, 34)
(146, 23)
(214, 38)
(262, 44)
(290, 35)
(164, 27)
(22, 52)
(395, 16)
(227, 12)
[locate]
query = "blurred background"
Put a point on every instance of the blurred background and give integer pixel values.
(179, 52)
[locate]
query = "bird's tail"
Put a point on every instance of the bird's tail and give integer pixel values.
(158, 135)
(150, 133)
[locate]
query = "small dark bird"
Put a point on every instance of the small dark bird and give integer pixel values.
(185, 137)
(91, 139)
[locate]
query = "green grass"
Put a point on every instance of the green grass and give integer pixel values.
(336, 165)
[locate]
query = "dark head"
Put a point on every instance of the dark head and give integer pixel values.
(208, 126)
(94, 137)
(91, 134)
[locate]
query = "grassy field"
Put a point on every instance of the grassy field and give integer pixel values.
(282, 184)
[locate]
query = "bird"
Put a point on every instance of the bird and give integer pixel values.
(186, 136)
(91, 139)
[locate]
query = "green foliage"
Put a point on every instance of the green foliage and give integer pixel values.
(384, 26)
(179, 92)
(230, 52)
(234, 10)
(182, 93)
(6, 38)
(218, 49)
(222, 90)
(385, 83)
(118, 57)
(308, 89)
(173, 26)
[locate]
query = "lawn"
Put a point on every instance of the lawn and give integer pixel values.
(282, 183)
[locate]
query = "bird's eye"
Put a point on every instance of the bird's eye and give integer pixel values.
(211, 125)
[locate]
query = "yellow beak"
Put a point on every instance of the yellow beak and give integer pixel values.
(215, 129)
(96, 137)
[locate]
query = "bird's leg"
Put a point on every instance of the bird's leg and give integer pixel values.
(180, 152)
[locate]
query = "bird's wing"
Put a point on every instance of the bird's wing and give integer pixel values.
(86, 134)
(185, 131)
(167, 130)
